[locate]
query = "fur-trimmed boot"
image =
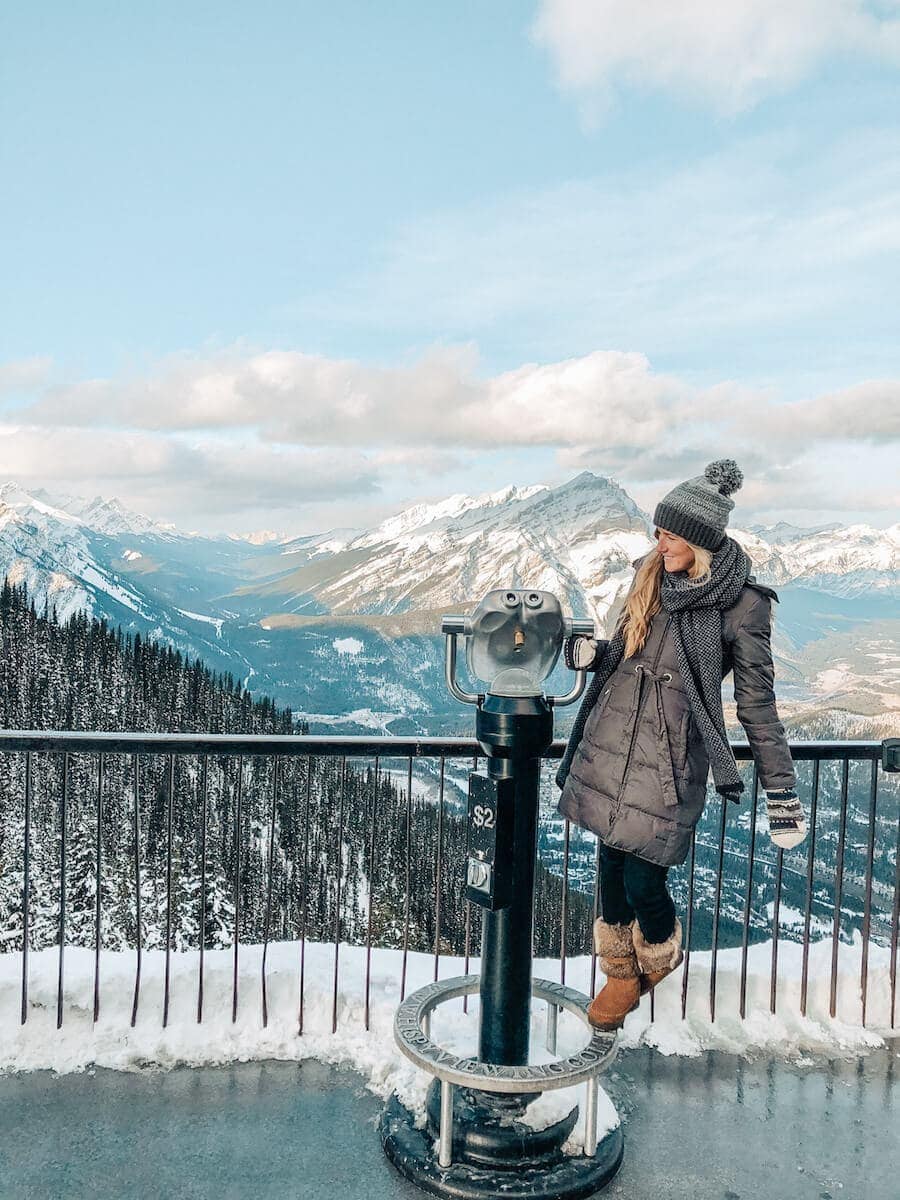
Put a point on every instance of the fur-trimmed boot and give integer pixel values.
(656, 960)
(622, 991)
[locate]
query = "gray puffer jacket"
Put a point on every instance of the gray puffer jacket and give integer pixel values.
(638, 778)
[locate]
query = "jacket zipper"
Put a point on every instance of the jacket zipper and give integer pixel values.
(637, 717)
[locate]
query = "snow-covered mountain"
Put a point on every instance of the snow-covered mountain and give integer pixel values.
(98, 555)
(576, 540)
(346, 623)
(775, 535)
(50, 550)
(850, 560)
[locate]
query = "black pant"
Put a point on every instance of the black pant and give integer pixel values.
(633, 887)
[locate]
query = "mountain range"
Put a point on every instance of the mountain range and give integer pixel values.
(344, 626)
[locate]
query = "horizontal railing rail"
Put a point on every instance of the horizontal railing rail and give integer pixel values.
(91, 742)
(246, 835)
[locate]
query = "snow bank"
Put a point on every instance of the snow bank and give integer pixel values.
(112, 1042)
(786, 1033)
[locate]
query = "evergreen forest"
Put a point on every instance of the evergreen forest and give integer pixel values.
(204, 848)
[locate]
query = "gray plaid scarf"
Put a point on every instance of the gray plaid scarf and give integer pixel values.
(696, 625)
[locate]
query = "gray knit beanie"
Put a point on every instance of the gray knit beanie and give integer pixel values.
(698, 509)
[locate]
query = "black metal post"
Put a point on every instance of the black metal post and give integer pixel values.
(507, 933)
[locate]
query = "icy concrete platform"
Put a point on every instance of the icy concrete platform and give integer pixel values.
(711, 1128)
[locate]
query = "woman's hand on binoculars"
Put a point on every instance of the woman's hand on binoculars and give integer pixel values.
(579, 653)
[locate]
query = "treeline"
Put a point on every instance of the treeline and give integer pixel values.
(197, 847)
(85, 674)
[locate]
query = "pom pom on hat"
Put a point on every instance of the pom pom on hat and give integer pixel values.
(724, 474)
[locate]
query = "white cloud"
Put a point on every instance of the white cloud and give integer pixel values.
(278, 401)
(868, 411)
(728, 53)
(295, 398)
(23, 374)
(178, 478)
(287, 395)
(281, 429)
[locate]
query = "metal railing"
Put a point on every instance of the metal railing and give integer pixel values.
(846, 874)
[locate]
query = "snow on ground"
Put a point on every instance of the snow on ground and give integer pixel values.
(426, 783)
(217, 621)
(348, 645)
(113, 1042)
(366, 717)
(793, 918)
(838, 677)
(97, 579)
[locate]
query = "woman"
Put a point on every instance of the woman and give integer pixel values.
(651, 725)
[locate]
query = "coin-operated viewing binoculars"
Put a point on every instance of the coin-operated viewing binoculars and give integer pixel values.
(512, 644)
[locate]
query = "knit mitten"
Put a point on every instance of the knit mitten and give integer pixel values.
(579, 652)
(787, 825)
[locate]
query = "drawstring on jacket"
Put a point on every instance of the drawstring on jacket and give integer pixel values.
(664, 757)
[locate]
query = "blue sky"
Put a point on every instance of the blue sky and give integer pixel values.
(294, 266)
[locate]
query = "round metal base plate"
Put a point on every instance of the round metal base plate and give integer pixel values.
(553, 1176)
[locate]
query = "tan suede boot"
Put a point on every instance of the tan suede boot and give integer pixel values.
(656, 960)
(622, 991)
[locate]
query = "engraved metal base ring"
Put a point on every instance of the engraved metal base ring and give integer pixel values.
(412, 1032)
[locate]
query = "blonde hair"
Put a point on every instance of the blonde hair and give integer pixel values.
(643, 599)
